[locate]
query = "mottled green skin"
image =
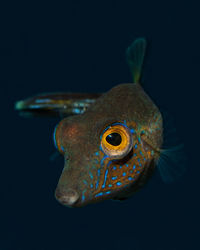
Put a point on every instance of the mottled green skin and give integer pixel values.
(80, 137)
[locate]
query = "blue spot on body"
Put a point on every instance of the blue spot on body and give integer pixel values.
(124, 174)
(103, 186)
(132, 131)
(98, 176)
(97, 153)
(77, 111)
(136, 145)
(91, 185)
(126, 165)
(85, 182)
(130, 178)
(114, 177)
(109, 185)
(99, 194)
(108, 192)
(103, 159)
(133, 166)
(83, 196)
(114, 168)
(91, 176)
(120, 167)
(119, 183)
(138, 172)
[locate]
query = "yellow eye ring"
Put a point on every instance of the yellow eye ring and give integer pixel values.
(116, 141)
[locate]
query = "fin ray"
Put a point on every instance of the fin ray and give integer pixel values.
(172, 163)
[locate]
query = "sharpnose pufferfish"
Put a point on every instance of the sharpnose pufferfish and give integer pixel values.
(111, 142)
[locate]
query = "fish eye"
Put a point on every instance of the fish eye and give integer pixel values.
(116, 141)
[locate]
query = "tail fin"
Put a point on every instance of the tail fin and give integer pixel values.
(135, 57)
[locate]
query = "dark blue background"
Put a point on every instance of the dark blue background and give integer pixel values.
(80, 47)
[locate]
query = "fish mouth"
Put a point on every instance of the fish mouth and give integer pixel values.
(67, 197)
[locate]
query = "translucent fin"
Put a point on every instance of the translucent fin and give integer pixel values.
(56, 104)
(172, 163)
(135, 57)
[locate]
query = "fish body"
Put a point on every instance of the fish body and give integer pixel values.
(91, 173)
(111, 142)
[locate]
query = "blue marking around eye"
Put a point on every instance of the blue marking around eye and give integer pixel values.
(103, 186)
(114, 177)
(119, 183)
(62, 148)
(124, 174)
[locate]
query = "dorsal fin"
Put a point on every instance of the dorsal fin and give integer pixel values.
(135, 57)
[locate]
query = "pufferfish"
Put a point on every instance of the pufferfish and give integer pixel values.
(111, 142)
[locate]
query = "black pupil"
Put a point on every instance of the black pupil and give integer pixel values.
(114, 139)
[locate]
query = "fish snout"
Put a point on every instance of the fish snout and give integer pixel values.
(67, 197)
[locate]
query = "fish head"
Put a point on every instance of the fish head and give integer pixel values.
(107, 148)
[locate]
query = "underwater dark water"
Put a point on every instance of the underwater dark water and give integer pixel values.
(80, 47)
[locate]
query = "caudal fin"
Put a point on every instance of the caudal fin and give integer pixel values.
(135, 57)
